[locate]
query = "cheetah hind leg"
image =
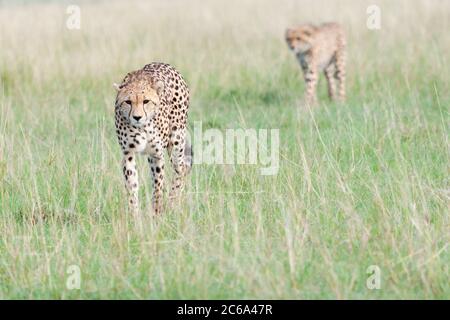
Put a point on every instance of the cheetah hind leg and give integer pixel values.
(340, 74)
(188, 156)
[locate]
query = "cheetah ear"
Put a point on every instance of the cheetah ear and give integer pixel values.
(116, 86)
(159, 87)
(287, 32)
(309, 30)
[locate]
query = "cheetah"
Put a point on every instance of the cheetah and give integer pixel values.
(150, 116)
(320, 48)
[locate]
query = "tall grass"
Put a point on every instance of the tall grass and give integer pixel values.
(360, 184)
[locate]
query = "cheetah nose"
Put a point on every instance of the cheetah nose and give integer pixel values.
(137, 118)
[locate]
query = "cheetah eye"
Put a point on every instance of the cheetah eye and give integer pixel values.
(146, 101)
(128, 102)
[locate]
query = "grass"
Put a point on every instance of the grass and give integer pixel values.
(363, 183)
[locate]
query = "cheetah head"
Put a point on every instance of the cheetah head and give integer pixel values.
(138, 98)
(300, 39)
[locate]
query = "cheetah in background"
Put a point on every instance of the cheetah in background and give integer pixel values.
(320, 48)
(150, 116)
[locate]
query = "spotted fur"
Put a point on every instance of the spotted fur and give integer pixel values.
(320, 48)
(150, 115)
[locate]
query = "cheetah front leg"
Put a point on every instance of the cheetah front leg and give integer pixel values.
(329, 75)
(311, 77)
(157, 170)
(177, 158)
(131, 180)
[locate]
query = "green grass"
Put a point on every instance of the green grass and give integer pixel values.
(361, 183)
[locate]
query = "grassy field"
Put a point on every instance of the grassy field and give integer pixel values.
(360, 184)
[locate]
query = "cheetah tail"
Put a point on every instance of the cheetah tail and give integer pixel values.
(188, 156)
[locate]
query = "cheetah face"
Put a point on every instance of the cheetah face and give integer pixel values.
(138, 105)
(139, 109)
(299, 40)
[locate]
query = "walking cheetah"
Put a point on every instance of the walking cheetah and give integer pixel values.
(320, 48)
(150, 115)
